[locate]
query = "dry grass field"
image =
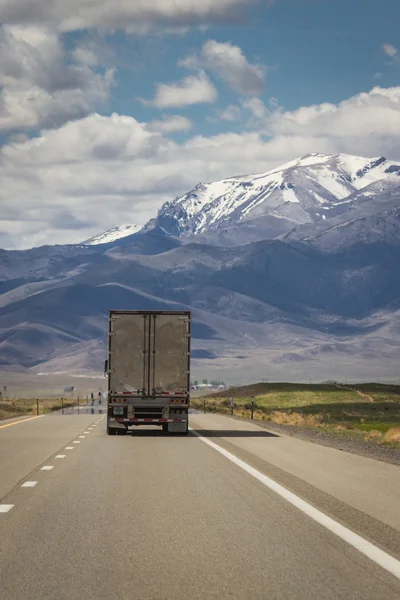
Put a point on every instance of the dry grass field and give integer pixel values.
(367, 411)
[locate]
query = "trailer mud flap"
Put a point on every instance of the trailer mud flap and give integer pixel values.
(177, 427)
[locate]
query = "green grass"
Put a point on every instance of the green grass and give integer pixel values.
(371, 411)
(375, 426)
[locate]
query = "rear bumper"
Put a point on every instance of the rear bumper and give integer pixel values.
(149, 421)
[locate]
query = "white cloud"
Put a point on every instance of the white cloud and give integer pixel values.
(84, 55)
(229, 64)
(256, 106)
(195, 89)
(170, 124)
(390, 50)
(367, 122)
(38, 87)
(139, 16)
(231, 113)
(97, 172)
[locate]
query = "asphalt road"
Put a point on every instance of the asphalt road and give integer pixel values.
(152, 516)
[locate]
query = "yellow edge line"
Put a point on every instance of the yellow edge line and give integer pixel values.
(18, 422)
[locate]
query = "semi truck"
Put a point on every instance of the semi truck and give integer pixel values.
(148, 370)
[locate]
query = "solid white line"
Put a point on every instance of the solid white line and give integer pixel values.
(29, 484)
(47, 468)
(69, 448)
(61, 455)
(4, 508)
(387, 562)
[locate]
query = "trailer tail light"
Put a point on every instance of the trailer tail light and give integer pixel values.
(178, 401)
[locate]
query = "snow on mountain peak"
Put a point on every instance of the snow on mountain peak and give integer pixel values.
(295, 192)
(112, 235)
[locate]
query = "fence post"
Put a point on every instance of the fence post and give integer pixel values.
(37, 406)
(62, 405)
(252, 408)
(205, 405)
(232, 405)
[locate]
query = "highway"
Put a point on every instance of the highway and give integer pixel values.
(230, 511)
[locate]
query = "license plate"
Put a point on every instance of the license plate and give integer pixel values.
(118, 410)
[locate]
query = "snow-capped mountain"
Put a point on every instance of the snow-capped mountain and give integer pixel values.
(269, 280)
(112, 235)
(310, 189)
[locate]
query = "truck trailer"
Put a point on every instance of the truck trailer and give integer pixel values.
(148, 370)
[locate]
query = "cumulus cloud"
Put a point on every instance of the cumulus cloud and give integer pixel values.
(195, 89)
(367, 122)
(139, 16)
(256, 107)
(229, 64)
(39, 86)
(171, 124)
(390, 50)
(99, 172)
(230, 113)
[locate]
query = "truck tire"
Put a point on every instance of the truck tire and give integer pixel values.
(165, 427)
(111, 430)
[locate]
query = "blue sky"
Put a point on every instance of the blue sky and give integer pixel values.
(267, 81)
(315, 52)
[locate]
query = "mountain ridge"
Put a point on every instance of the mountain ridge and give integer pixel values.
(320, 296)
(313, 188)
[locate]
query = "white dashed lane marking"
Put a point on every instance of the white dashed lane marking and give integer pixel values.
(5, 508)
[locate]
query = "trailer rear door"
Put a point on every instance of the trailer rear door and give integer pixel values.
(170, 339)
(129, 353)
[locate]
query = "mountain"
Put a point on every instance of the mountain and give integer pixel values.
(318, 299)
(112, 235)
(313, 188)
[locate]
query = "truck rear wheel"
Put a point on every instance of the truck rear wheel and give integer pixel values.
(111, 430)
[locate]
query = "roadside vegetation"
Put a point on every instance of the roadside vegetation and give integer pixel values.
(367, 411)
(15, 407)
